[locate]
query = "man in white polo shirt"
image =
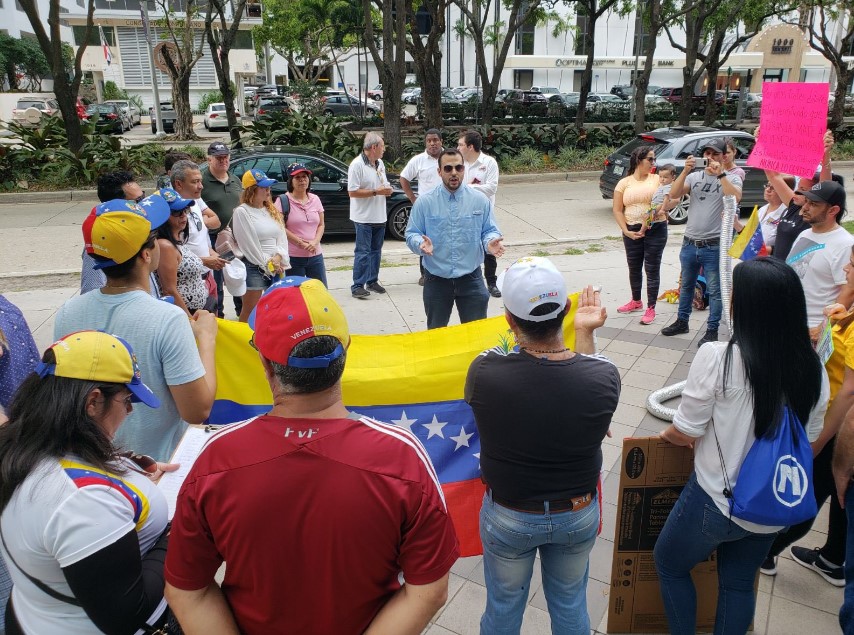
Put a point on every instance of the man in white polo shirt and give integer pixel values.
(368, 188)
(187, 181)
(423, 168)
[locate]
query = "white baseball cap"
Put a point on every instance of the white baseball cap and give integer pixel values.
(531, 282)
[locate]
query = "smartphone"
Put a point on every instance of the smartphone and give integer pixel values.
(227, 255)
(701, 164)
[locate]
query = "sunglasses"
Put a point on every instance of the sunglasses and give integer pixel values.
(447, 169)
(178, 212)
(139, 198)
(252, 342)
(144, 462)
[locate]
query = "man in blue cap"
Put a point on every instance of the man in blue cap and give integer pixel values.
(120, 237)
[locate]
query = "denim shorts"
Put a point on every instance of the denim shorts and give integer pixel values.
(256, 277)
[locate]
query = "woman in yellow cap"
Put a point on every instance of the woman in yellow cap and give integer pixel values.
(83, 527)
(259, 229)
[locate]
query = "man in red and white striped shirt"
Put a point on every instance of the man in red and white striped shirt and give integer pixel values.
(328, 521)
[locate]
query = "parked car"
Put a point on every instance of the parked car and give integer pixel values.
(215, 117)
(167, 115)
(603, 101)
(268, 104)
(546, 91)
(328, 181)
(674, 96)
(411, 95)
(348, 105)
(516, 97)
(129, 108)
(468, 93)
(447, 96)
(459, 90)
(623, 91)
(376, 93)
(674, 145)
(29, 110)
(108, 118)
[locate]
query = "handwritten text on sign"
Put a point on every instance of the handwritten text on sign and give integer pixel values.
(792, 120)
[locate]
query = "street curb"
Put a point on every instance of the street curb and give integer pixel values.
(401, 251)
(91, 195)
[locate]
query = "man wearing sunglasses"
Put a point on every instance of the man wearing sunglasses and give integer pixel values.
(460, 221)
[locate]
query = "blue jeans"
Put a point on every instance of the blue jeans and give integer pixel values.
(369, 249)
(692, 258)
(510, 542)
(468, 291)
(694, 529)
(846, 614)
(308, 267)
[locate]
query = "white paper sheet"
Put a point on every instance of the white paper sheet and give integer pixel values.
(185, 454)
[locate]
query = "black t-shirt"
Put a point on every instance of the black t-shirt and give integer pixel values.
(790, 227)
(541, 422)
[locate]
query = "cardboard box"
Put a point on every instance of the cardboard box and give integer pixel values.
(652, 475)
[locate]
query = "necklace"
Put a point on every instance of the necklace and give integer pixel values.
(534, 350)
(115, 286)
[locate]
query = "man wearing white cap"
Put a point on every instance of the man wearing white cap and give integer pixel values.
(542, 412)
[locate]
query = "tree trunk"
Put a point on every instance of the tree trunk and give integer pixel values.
(67, 100)
(711, 113)
(843, 80)
(181, 103)
(587, 74)
(431, 93)
(427, 56)
(641, 85)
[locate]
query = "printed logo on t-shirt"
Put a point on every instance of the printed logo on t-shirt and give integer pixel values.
(802, 254)
(705, 187)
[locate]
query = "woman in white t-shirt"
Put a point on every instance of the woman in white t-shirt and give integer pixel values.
(259, 230)
(771, 213)
(734, 394)
(83, 526)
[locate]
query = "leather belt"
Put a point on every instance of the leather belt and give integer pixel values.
(573, 504)
(708, 242)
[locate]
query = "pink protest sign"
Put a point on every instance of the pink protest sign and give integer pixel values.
(793, 121)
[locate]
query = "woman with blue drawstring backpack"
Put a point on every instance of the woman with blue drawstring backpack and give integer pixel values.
(749, 406)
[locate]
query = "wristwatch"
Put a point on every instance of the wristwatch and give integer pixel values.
(374, 193)
(722, 175)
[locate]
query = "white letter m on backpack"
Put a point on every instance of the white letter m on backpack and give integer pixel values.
(790, 480)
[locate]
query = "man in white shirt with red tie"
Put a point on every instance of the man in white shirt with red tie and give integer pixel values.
(481, 174)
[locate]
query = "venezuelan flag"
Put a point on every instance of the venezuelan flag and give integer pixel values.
(749, 244)
(414, 380)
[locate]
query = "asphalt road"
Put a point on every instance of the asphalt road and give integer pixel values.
(46, 237)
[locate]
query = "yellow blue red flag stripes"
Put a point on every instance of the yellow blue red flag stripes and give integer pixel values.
(415, 380)
(750, 244)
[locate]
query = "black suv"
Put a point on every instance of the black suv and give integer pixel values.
(673, 145)
(623, 92)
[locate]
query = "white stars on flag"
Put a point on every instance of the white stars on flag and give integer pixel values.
(462, 439)
(404, 422)
(435, 428)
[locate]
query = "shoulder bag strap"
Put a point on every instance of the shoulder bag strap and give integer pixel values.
(56, 595)
(146, 628)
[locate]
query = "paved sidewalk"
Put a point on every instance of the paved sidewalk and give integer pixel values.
(794, 602)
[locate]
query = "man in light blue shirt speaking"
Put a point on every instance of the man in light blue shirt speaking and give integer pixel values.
(452, 227)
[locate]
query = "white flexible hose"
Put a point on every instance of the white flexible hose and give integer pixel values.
(654, 403)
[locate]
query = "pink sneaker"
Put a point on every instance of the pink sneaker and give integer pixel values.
(648, 316)
(631, 306)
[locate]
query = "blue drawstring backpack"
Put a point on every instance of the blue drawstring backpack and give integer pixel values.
(775, 481)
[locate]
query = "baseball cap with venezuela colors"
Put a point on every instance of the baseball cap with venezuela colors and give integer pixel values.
(117, 229)
(291, 311)
(257, 177)
(101, 357)
(529, 283)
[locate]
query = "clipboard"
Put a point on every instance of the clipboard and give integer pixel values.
(188, 450)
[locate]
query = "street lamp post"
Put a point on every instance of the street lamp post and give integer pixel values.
(143, 7)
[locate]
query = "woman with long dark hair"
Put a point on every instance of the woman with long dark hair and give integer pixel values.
(180, 272)
(83, 526)
(643, 237)
(735, 394)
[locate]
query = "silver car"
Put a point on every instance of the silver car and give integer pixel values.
(128, 108)
(348, 105)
